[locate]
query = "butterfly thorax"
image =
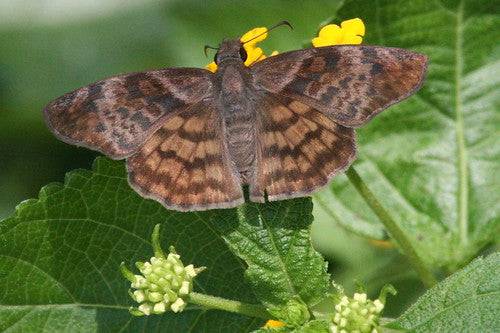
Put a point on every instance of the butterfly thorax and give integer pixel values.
(238, 114)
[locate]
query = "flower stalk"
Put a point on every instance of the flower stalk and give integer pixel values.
(392, 227)
(219, 303)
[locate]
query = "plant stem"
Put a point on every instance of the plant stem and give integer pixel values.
(214, 302)
(392, 227)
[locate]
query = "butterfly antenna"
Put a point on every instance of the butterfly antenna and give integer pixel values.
(209, 47)
(279, 24)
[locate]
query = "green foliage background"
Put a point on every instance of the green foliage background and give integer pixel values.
(44, 53)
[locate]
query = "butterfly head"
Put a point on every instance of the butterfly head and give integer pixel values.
(230, 49)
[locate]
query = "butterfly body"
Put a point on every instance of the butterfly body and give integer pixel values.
(284, 125)
(238, 109)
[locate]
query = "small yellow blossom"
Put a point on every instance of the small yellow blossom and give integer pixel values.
(254, 53)
(349, 32)
(274, 324)
(212, 67)
(250, 40)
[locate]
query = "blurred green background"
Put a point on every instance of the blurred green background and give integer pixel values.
(49, 47)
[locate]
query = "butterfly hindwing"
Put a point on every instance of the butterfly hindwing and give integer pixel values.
(300, 149)
(351, 84)
(117, 115)
(185, 164)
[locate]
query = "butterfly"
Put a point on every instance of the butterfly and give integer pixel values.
(283, 126)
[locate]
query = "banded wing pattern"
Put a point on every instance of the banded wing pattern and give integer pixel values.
(300, 149)
(117, 115)
(185, 164)
(350, 84)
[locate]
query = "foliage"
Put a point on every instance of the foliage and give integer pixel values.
(431, 161)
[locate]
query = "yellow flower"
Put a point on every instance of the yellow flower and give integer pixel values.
(212, 67)
(254, 53)
(274, 324)
(349, 32)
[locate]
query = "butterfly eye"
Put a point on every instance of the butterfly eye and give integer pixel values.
(243, 54)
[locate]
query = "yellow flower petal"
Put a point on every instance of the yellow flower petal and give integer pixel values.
(353, 27)
(253, 54)
(274, 323)
(349, 32)
(274, 53)
(351, 40)
(262, 31)
(212, 67)
(330, 34)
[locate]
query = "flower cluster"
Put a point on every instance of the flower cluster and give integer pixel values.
(164, 283)
(357, 314)
(350, 32)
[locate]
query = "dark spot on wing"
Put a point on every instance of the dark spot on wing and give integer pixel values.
(139, 118)
(376, 69)
(344, 82)
(330, 92)
(123, 112)
(100, 128)
(297, 85)
(331, 62)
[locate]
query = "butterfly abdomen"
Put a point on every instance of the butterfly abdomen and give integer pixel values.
(239, 119)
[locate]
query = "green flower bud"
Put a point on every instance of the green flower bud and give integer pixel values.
(164, 283)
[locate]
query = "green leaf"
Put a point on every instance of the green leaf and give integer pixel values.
(274, 240)
(467, 301)
(60, 257)
(432, 160)
(313, 326)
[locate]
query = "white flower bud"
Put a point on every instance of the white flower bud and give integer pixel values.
(336, 318)
(190, 272)
(334, 329)
(159, 307)
(147, 269)
(379, 306)
(155, 296)
(139, 296)
(140, 282)
(344, 300)
(184, 289)
(346, 312)
(145, 308)
(178, 305)
(178, 269)
(155, 261)
(343, 322)
(360, 297)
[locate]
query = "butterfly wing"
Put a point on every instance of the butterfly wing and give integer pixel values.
(117, 115)
(351, 84)
(299, 149)
(185, 164)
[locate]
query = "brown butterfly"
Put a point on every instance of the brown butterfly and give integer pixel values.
(284, 125)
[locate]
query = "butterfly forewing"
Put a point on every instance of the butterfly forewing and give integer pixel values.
(300, 149)
(116, 116)
(350, 84)
(185, 164)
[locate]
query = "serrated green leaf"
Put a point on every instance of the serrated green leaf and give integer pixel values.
(433, 160)
(275, 242)
(60, 257)
(467, 301)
